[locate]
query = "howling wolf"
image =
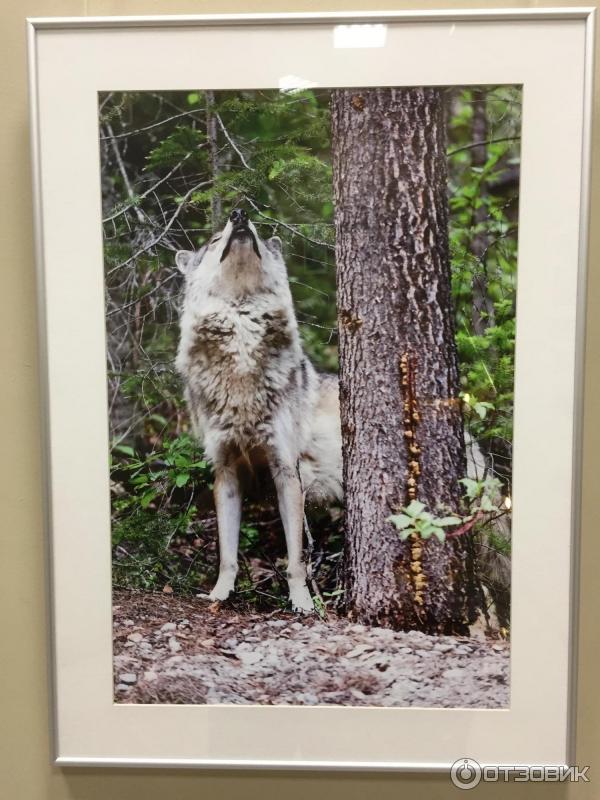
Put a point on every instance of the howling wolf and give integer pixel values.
(253, 396)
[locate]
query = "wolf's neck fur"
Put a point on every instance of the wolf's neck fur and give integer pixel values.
(240, 275)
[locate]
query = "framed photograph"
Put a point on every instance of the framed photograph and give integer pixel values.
(311, 295)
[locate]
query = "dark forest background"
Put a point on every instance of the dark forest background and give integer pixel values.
(173, 165)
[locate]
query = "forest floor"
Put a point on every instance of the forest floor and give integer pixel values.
(170, 649)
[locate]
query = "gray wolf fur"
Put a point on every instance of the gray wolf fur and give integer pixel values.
(253, 396)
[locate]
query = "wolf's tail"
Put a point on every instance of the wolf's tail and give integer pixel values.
(321, 461)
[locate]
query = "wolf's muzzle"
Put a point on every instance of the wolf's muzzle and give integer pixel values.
(240, 230)
(238, 217)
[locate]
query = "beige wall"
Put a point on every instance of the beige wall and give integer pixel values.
(25, 771)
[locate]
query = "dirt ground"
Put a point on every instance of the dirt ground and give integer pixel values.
(175, 650)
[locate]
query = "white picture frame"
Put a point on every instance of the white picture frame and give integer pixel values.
(549, 51)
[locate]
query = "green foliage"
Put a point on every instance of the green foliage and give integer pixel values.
(154, 517)
(274, 158)
(483, 247)
(183, 141)
(151, 481)
(481, 497)
(157, 549)
(414, 519)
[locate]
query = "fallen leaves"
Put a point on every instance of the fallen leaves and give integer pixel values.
(174, 650)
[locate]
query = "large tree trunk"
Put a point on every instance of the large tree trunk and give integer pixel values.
(401, 417)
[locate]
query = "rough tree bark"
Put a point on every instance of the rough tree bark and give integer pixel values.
(401, 417)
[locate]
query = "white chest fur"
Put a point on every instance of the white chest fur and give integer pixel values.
(238, 357)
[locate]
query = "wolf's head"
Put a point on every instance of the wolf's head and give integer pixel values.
(236, 257)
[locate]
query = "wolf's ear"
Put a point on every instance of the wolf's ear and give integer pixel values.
(275, 245)
(184, 260)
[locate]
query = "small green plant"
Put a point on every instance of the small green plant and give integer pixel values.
(415, 519)
(473, 405)
(250, 535)
(156, 534)
(320, 607)
(158, 551)
(151, 480)
(481, 496)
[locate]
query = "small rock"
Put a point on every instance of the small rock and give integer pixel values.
(387, 634)
(307, 698)
(319, 676)
(122, 687)
(174, 645)
(443, 647)
(276, 623)
(207, 642)
(150, 675)
(135, 637)
(491, 670)
(127, 677)
(128, 623)
(453, 674)
(248, 657)
(359, 650)
(375, 657)
(168, 626)
(297, 626)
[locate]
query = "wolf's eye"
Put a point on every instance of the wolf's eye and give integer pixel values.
(215, 239)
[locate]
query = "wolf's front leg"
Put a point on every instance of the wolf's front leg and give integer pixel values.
(291, 508)
(228, 501)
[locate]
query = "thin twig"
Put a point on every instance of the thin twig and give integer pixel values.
(473, 145)
(165, 230)
(143, 297)
(466, 527)
(123, 171)
(231, 142)
(149, 127)
(104, 102)
(150, 190)
(287, 226)
(310, 546)
(472, 522)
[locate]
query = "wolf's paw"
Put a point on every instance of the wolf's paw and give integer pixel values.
(221, 591)
(301, 600)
